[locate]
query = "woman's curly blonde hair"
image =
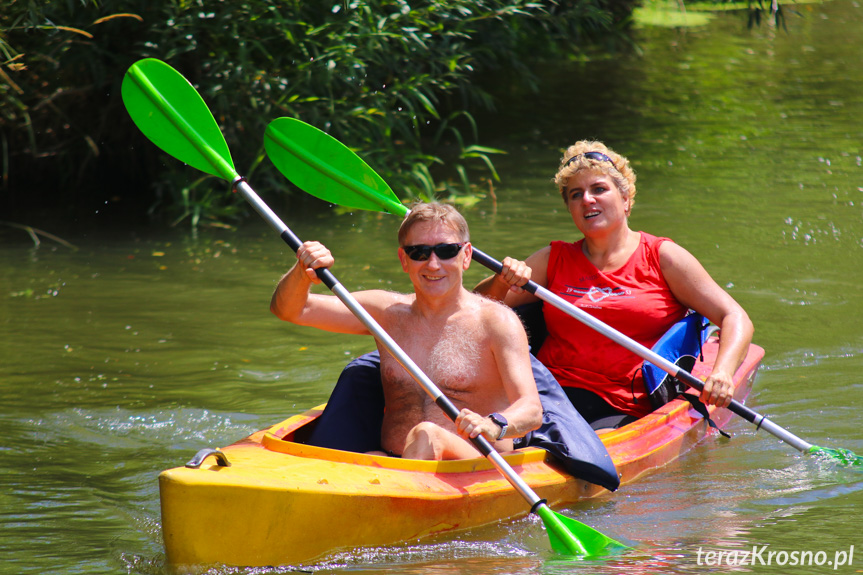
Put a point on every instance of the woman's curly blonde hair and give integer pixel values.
(574, 161)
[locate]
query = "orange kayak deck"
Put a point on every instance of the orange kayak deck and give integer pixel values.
(282, 502)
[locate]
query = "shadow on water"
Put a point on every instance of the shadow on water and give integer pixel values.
(125, 356)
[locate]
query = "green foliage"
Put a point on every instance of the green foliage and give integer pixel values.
(394, 80)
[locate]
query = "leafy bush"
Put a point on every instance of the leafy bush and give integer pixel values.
(394, 80)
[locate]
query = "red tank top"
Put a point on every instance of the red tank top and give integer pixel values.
(634, 299)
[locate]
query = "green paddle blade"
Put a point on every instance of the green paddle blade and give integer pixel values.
(839, 455)
(325, 168)
(571, 537)
(171, 113)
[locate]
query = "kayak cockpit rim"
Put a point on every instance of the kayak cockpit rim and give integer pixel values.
(280, 438)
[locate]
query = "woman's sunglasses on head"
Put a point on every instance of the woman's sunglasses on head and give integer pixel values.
(421, 253)
(598, 156)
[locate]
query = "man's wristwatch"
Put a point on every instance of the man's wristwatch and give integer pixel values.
(501, 421)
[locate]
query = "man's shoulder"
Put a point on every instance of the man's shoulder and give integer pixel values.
(383, 294)
(490, 305)
(496, 313)
(383, 299)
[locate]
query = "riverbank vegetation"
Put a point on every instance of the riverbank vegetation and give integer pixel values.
(397, 81)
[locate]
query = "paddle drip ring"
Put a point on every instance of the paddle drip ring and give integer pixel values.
(236, 182)
(537, 504)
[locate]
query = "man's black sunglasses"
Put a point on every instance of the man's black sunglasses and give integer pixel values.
(421, 253)
(598, 156)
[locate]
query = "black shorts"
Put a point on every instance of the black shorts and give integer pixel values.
(595, 410)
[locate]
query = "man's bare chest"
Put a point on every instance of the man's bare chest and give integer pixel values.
(452, 355)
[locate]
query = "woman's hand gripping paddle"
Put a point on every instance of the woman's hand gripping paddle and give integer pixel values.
(327, 169)
(171, 113)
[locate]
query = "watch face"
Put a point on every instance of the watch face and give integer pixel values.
(501, 422)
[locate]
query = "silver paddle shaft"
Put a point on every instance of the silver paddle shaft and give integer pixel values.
(388, 342)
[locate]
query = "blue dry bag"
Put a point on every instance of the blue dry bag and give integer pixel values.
(681, 345)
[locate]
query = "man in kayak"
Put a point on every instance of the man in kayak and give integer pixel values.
(474, 349)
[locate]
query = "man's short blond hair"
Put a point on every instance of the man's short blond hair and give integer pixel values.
(434, 212)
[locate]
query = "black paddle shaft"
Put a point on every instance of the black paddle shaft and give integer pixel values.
(673, 370)
(294, 242)
(536, 289)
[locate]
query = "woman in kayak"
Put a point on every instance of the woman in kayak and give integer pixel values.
(637, 283)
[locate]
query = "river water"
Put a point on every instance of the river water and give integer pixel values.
(126, 356)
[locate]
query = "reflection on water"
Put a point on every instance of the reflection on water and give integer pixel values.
(126, 356)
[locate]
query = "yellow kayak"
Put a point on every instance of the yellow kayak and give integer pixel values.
(283, 502)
